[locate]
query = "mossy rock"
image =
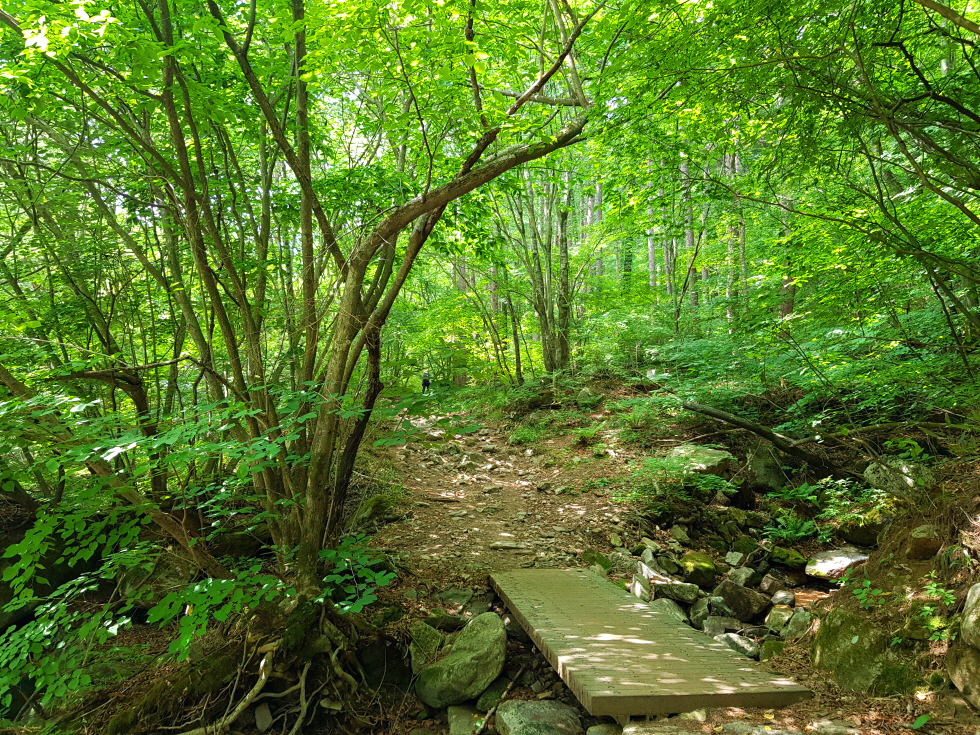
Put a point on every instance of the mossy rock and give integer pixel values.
(591, 556)
(745, 545)
(787, 557)
(895, 678)
(699, 568)
(771, 649)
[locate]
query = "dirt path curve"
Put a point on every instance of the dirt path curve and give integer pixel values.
(478, 504)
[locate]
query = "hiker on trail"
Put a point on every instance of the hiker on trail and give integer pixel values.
(425, 382)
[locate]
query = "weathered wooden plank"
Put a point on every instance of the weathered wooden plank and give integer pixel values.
(622, 658)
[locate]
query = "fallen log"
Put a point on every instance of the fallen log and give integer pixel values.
(781, 442)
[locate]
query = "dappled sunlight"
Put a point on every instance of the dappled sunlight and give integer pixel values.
(620, 657)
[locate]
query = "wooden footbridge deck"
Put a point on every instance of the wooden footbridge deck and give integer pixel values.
(622, 658)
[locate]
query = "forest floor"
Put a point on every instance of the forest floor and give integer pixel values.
(543, 504)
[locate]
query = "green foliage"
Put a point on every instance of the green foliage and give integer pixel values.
(864, 592)
(588, 435)
(355, 574)
(804, 494)
(790, 527)
(525, 435)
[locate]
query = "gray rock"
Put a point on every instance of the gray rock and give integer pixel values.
(740, 644)
(680, 591)
(970, 627)
(669, 607)
(718, 606)
(771, 585)
(856, 653)
(703, 460)
(899, 477)
(963, 667)
(741, 576)
(735, 558)
(640, 587)
(263, 717)
(474, 661)
(778, 617)
(923, 543)
(715, 625)
(833, 564)
(699, 568)
(787, 557)
(515, 717)
(699, 613)
(748, 605)
(765, 467)
(464, 720)
(798, 625)
(784, 597)
(680, 534)
(604, 730)
(426, 642)
(492, 694)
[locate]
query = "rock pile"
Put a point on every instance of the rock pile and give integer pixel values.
(750, 609)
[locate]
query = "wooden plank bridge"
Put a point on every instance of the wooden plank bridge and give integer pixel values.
(621, 658)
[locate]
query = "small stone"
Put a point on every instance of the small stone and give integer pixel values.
(784, 597)
(735, 558)
(516, 717)
(741, 576)
(680, 591)
(778, 617)
(698, 715)
(679, 533)
(507, 546)
(263, 717)
(715, 625)
(464, 720)
(924, 543)
(591, 556)
(604, 730)
(747, 604)
(770, 585)
(699, 613)
(740, 644)
(615, 540)
(798, 625)
(718, 606)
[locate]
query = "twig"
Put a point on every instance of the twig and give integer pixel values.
(493, 710)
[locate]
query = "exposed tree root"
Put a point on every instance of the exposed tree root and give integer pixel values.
(222, 725)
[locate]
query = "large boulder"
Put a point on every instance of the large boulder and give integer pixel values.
(833, 564)
(899, 477)
(475, 659)
(699, 568)
(963, 667)
(747, 604)
(703, 460)
(970, 627)
(516, 717)
(856, 653)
